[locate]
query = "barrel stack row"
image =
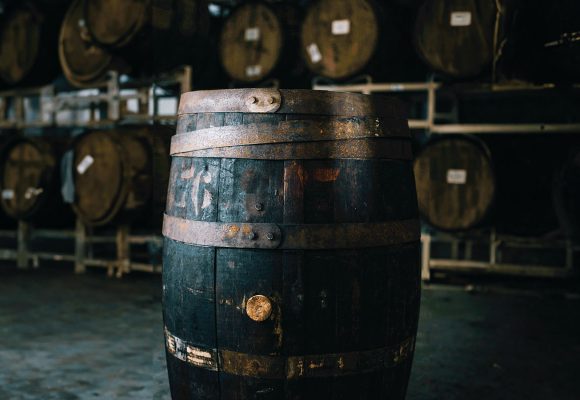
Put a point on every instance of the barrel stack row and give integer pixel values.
(115, 176)
(254, 41)
(524, 185)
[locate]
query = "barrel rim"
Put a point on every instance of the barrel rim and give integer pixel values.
(292, 101)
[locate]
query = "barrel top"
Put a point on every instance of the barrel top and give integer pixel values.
(112, 22)
(313, 102)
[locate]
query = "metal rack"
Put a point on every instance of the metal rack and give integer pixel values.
(496, 244)
(84, 240)
(117, 100)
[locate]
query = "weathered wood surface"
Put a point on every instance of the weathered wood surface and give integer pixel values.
(335, 324)
(456, 37)
(119, 174)
(455, 183)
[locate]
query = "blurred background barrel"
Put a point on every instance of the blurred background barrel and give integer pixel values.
(456, 37)
(259, 40)
(28, 44)
(342, 38)
(84, 63)
(119, 174)
(455, 182)
(567, 194)
(255, 172)
(31, 180)
(153, 36)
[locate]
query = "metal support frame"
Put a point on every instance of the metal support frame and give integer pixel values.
(495, 265)
(111, 97)
(84, 240)
(430, 124)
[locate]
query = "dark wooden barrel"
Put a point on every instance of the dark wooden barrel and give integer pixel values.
(340, 37)
(258, 39)
(456, 37)
(30, 180)
(152, 36)
(291, 255)
(455, 183)
(118, 175)
(567, 195)
(83, 63)
(28, 37)
(343, 38)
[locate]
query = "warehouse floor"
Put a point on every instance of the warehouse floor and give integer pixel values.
(89, 337)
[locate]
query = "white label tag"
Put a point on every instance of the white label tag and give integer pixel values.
(32, 192)
(456, 176)
(460, 18)
(86, 162)
(252, 34)
(341, 27)
(253, 70)
(314, 53)
(8, 194)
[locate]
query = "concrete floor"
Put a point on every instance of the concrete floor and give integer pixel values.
(89, 337)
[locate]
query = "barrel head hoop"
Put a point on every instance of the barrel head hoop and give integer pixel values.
(311, 102)
(291, 237)
(288, 132)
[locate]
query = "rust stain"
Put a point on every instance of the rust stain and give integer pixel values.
(326, 174)
(231, 231)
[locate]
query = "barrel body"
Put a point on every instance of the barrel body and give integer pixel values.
(456, 37)
(455, 183)
(31, 181)
(152, 36)
(129, 166)
(291, 258)
(567, 195)
(257, 40)
(28, 37)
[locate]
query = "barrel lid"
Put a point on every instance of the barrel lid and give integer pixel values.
(115, 23)
(98, 175)
(339, 37)
(251, 42)
(23, 169)
(81, 61)
(19, 44)
(312, 102)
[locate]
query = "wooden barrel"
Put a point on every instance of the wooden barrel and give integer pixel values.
(455, 183)
(567, 195)
(340, 37)
(291, 255)
(83, 63)
(252, 42)
(30, 180)
(28, 36)
(456, 37)
(151, 35)
(118, 175)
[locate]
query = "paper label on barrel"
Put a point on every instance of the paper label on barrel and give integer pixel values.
(253, 70)
(32, 192)
(460, 18)
(85, 163)
(341, 27)
(456, 176)
(314, 53)
(252, 34)
(8, 194)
